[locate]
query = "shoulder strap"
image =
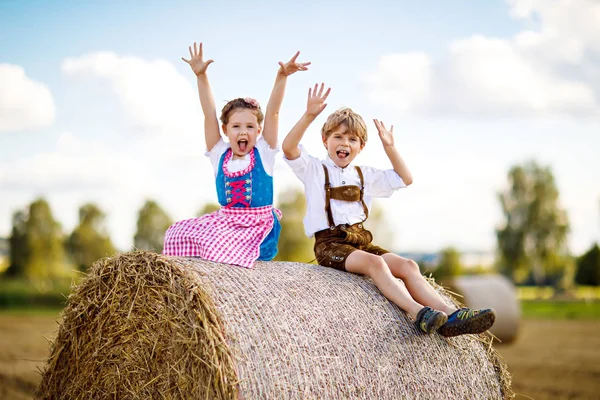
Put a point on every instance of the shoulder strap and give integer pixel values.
(328, 198)
(362, 192)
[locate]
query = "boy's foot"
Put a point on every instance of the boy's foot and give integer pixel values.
(429, 320)
(466, 320)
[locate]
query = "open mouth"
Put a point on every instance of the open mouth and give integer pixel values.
(243, 145)
(342, 153)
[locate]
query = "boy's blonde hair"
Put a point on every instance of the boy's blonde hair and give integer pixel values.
(345, 116)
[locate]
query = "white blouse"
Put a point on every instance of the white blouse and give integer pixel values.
(378, 183)
(267, 155)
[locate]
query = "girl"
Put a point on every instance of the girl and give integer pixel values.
(247, 227)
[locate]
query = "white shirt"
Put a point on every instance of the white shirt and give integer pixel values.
(267, 155)
(378, 183)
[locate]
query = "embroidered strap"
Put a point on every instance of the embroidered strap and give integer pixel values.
(328, 196)
(229, 155)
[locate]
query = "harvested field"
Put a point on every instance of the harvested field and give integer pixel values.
(551, 359)
(555, 359)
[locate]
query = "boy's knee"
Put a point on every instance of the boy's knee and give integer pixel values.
(412, 267)
(377, 264)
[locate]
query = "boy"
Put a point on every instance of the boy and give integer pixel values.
(338, 197)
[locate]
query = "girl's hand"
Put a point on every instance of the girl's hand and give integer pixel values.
(198, 65)
(292, 66)
(387, 137)
(316, 101)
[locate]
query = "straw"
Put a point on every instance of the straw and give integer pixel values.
(143, 325)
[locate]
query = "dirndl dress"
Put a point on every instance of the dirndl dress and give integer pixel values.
(246, 228)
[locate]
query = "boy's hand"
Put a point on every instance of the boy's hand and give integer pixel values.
(292, 66)
(316, 101)
(198, 65)
(387, 137)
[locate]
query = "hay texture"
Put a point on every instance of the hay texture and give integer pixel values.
(143, 325)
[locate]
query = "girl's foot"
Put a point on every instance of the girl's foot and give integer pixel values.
(429, 320)
(466, 320)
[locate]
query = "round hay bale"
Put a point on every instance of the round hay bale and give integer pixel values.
(142, 325)
(492, 291)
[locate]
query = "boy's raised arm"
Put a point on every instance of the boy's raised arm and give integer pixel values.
(271, 131)
(314, 106)
(212, 134)
(387, 139)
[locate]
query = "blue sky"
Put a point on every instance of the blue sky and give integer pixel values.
(96, 105)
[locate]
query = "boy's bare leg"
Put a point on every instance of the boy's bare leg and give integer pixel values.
(360, 262)
(417, 286)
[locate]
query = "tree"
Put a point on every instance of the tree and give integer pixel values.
(207, 209)
(89, 241)
(152, 224)
(532, 239)
(18, 245)
(449, 265)
(294, 245)
(588, 267)
(45, 254)
(377, 223)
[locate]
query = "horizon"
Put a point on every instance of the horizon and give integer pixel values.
(97, 106)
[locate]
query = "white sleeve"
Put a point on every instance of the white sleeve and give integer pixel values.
(216, 152)
(267, 154)
(381, 183)
(304, 167)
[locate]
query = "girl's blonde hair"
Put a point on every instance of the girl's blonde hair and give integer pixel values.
(345, 116)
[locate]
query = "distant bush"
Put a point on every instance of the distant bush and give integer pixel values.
(17, 293)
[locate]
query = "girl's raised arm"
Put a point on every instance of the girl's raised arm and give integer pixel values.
(271, 130)
(212, 134)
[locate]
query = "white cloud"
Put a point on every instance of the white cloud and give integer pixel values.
(72, 166)
(118, 171)
(553, 70)
(24, 103)
(116, 177)
(153, 96)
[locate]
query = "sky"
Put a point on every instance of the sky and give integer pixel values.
(97, 106)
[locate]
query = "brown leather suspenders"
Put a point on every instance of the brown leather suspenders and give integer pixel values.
(345, 193)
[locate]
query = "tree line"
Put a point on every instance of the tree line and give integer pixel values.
(531, 238)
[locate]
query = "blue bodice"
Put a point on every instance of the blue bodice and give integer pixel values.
(253, 189)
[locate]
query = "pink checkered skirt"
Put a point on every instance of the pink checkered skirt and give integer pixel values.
(228, 235)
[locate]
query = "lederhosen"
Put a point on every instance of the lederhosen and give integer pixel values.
(333, 245)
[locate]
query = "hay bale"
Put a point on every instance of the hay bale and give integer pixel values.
(143, 325)
(492, 291)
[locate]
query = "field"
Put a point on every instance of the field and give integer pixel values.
(551, 358)
(555, 359)
(22, 351)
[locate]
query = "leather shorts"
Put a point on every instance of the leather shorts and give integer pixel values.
(333, 246)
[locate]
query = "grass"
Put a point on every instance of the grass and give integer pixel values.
(20, 293)
(43, 311)
(587, 293)
(547, 309)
